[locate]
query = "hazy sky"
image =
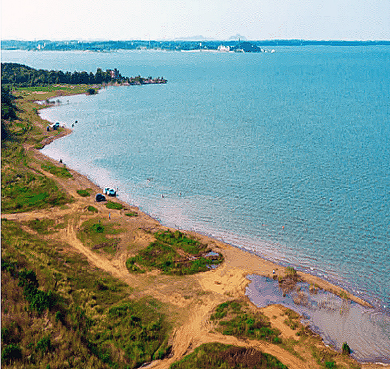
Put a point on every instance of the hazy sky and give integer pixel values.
(217, 19)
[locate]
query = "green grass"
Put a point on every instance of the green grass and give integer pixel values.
(60, 172)
(233, 318)
(85, 311)
(42, 226)
(136, 330)
(114, 205)
(220, 356)
(132, 214)
(84, 193)
(173, 253)
(95, 233)
(92, 209)
(178, 239)
(23, 189)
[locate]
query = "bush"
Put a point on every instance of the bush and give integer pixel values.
(330, 364)
(41, 225)
(174, 253)
(290, 271)
(10, 353)
(38, 300)
(97, 228)
(92, 209)
(346, 350)
(44, 344)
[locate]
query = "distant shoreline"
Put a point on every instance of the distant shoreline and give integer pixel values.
(173, 45)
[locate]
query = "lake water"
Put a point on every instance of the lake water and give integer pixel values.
(285, 154)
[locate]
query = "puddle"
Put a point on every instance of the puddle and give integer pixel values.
(367, 331)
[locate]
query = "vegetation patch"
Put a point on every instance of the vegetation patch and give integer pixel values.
(22, 188)
(235, 319)
(220, 356)
(114, 205)
(86, 315)
(84, 193)
(92, 209)
(174, 253)
(97, 234)
(132, 214)
(60, 172)
(135, 331)
(288, 282)
(42, 226)
(292, 320)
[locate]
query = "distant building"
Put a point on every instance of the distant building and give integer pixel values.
(114, 74)
(223, 48)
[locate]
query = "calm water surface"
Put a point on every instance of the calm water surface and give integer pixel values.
(285, 154)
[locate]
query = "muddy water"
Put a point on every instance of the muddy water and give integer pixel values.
(367, 331)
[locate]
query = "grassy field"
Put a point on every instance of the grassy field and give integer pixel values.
(173, 253)
(87, 316)
(23, 187)
(99, 234)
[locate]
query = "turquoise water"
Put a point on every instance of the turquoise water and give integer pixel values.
(285, 154)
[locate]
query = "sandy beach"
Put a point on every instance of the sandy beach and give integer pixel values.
(192, 298)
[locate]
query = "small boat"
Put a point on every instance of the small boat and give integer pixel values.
(109, 191)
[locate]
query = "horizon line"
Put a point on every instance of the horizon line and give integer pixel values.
(192, 40)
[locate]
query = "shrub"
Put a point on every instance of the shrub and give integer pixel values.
(97, 228)
(114, 205)
(44, 344)
(174, 253)
(38, 300)
(235, 319)
(10, 353)
(92, 209)
(41, 225)
(91, 91)
(330, 364)
(290, 271)
(346, 349)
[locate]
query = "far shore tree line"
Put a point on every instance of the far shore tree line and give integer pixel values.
(18, 75)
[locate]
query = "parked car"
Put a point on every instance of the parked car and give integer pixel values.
(109, 191)
(100, 197)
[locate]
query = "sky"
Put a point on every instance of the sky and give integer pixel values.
(181, 19)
